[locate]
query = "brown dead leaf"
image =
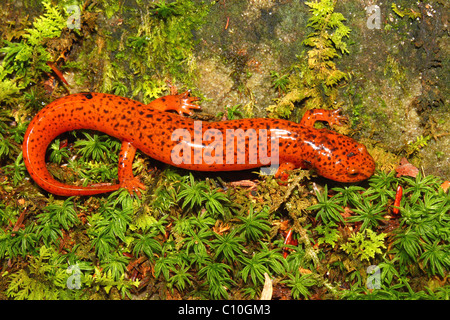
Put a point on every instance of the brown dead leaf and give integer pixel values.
(445, 185)
(304, 271)
(267, 291)
(220, 227)
(244, 183)
(347, 213)
(406, 169)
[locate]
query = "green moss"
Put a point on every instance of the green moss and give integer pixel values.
(162, 48)
(26, 60)
(408, 12)
(394, 71)
(364, 245)
(313, 81)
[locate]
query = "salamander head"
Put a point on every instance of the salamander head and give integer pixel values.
(342, 159)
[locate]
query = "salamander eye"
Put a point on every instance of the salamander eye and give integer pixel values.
(351, 154)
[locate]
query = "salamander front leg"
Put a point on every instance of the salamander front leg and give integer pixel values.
(182, 103)
(333, 117)
(126, 178)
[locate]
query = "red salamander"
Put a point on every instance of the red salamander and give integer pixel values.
(196, 145)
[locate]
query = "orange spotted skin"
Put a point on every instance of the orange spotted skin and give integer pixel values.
(153, 130)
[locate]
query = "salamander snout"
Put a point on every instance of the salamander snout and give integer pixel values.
(352, 171)
(344, 161)
(358, 165)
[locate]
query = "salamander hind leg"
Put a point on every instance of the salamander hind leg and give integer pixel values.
(126, 178)
(182, 103)
(333, 117)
